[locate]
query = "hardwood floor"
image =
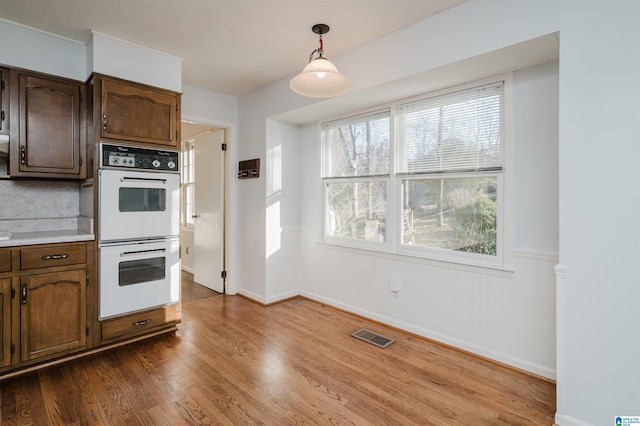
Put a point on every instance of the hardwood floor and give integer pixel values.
(193, 291)
(235, 362)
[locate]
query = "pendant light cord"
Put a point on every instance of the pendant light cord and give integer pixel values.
(319, 50)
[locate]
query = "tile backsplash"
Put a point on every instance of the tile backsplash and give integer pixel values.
(33, 205)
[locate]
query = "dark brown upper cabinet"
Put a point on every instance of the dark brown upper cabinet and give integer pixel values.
(4, 101)
(135, 112)
(48, 126)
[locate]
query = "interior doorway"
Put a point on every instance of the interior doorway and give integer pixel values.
(202, 236)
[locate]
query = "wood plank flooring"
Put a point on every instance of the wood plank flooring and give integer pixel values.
(235, 362)
(191, 290)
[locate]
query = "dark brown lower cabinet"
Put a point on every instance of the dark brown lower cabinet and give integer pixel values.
(53, 315)
(46, 308)
(5, 324)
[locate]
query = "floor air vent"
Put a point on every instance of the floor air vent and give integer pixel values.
(373, 338)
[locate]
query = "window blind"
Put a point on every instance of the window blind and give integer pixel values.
(357, 146)
(456, 132)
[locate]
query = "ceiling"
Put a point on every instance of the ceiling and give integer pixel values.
(229, 46)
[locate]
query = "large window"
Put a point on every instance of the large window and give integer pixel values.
(423, 178)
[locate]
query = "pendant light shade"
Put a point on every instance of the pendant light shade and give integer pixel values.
(320, 78)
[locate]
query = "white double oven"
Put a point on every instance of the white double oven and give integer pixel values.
(138, 229)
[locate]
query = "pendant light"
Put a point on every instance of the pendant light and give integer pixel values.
(320, 78)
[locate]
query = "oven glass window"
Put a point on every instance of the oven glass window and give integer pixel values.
(142, 200)
(141, 271)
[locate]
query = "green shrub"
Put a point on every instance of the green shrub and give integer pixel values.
(475, 226)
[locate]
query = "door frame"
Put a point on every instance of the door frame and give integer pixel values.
(230, 199)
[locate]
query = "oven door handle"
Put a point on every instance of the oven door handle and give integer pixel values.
(125, 178)
(139, 252)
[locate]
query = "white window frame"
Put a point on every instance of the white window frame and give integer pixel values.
(393, 245)
(353, 242)
(187, 182)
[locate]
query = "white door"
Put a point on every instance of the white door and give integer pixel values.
(208, 234)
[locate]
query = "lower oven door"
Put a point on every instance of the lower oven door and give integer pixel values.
(139, 276)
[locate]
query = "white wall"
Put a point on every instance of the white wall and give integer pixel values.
(205, 105)
(598, 236)
(284, 142)
(119, 58)
(535, 159)
(186, 249)
(599, 204)
(23, 47)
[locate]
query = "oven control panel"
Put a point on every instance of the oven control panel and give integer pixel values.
(143, 159)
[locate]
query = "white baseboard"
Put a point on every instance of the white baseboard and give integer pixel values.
(564, 420)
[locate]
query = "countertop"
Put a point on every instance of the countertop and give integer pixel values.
(46, 237)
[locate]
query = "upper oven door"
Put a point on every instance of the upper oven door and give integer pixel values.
(138, 205)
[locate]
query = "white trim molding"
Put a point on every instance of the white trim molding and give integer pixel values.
(561, 275)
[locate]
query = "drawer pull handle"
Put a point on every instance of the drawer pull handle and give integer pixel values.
(54, 256)
(141, 322)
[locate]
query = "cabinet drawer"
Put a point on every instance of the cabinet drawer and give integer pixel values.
(43, 257)
(138, 323)
(5, 260)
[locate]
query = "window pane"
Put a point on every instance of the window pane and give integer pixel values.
(357, 146)
(188, 182)
(357, 210)
(456, 132)
(456, 213)
(189, 203)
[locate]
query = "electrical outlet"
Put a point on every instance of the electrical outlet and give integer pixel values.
(395, 285)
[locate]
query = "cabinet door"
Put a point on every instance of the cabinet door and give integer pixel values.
(4, 101)
(5, 321)
(5, 261)
(52, 313)
(47, 127)
(139, 113)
